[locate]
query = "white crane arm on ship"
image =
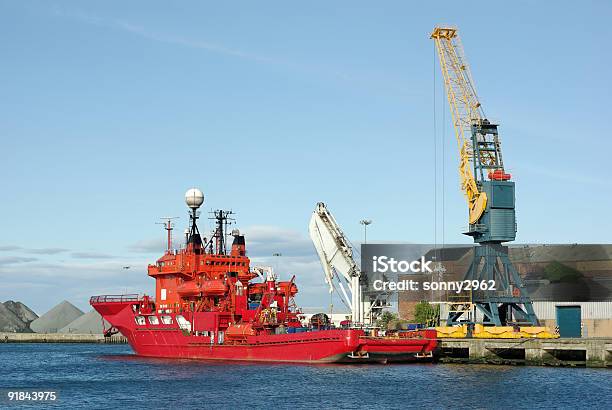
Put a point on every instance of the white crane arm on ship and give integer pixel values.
(336, 257)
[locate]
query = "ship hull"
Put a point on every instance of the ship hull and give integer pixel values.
(322, 346)
(326, 346)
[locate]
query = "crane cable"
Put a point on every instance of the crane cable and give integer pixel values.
(435, 165)
(437, 250)
(435, 161)
(443, 170)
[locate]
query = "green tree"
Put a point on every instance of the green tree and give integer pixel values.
(426, 314)
(386, 318)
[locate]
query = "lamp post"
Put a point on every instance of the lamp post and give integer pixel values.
(277, 255)
(365, 223)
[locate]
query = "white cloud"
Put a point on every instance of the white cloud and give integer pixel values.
(46, 251)
(156, 245)
(8, 248)
(91, 255)
(263, 240)
(13, 260)
(34, 251)
(41, 285)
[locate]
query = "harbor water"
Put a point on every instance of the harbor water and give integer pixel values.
(110, 376)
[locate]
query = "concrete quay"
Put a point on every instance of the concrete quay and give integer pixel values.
(589, 352)
(6, 337)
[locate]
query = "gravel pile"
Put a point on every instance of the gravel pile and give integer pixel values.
(10, 322)
(55, 319)
(22, 311)
(89, 323)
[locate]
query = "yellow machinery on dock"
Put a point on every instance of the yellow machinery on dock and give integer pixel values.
(495, 332)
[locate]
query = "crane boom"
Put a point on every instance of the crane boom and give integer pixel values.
(477, 139)
(336, 257)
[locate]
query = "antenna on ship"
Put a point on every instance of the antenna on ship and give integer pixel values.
(194, 198)
(168, 226)
(222, 220)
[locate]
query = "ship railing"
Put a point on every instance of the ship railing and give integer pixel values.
(115, 298)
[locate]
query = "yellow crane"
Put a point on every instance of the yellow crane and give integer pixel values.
(466, 113)
(490, 196)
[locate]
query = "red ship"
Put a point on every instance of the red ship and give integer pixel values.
(212, 304)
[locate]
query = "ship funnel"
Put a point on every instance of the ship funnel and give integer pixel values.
(194, 198)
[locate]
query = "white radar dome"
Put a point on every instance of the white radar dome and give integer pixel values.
(194, 198)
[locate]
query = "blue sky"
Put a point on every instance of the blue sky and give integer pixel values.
(110, 111)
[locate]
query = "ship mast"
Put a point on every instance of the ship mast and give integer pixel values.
(222, 220)
(168, 226)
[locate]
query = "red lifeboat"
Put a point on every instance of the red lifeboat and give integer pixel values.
(499, 175)
(188, 289)
(239, 331)
(214, 287)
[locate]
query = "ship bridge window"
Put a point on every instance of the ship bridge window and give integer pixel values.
(140, 320)
(166, 320)
(183, 323)
(153, 320)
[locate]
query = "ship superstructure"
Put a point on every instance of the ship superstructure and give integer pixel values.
(214, 286)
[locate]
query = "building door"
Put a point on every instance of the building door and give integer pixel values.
(568, 321)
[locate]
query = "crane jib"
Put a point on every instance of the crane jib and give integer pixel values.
(477, 138)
